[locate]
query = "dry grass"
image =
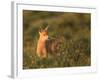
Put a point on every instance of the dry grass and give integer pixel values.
(72, 28)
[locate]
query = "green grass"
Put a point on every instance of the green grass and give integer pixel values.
(72, 28)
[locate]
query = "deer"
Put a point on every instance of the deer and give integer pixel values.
(46, 45)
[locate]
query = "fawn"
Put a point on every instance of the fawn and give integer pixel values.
(46, 45)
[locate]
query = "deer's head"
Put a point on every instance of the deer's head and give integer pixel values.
(43, 34)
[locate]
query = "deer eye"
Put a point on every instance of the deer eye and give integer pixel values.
(43, 34)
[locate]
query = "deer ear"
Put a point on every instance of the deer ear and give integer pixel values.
(40, 30)
(47, 28)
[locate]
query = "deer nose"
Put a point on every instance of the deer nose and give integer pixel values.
(48, 38)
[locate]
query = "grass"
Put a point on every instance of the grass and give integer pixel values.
(72, 28)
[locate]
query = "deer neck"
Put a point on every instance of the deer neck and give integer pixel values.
(41, 43)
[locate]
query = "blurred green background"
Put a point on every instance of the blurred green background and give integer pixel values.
(74, 29)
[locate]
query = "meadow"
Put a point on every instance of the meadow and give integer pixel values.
(73, 29)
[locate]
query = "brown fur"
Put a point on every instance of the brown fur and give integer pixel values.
(46, 45)
(53, 45)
